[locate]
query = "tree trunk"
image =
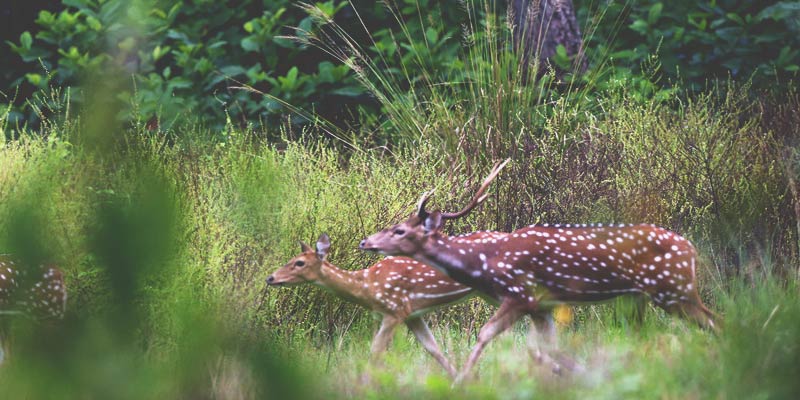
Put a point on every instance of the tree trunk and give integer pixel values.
(539, 26)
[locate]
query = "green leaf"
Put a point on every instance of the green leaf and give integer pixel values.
(654, 13)
(735, 18)
(639, 26)
(623, 55)
(348, 91)
(432, 35)
(292, 74)
(26, 40)
(326, 8)
(306, 24)
(232, 70)
(248, 26)
(94, 23)
(283, 42)
(159, 52)
(250, 43)
(561, 51)
(34, 79)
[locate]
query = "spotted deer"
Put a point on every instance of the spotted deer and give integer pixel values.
(401, 289)
(530, 270)
(37, 293)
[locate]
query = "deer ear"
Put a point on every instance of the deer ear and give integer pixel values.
(433, 222)
(323, 244)
(304, 247)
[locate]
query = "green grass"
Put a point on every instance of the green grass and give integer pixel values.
(166, 250)
(753, 357)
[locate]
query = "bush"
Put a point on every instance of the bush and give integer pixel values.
(697, 42)
(186, 61)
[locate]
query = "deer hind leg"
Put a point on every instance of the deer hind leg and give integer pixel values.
(542, 327)
(542, 339)
(423, 334)
(547, 350)
(629, 310)
(508, 313)
(384, 336)
(379, 345)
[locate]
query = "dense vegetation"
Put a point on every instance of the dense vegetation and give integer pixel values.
(189, 60)
(168, 231)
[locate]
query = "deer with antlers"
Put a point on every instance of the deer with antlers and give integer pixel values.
(401, 289)
(530, 270)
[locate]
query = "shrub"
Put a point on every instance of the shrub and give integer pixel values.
(701, 41)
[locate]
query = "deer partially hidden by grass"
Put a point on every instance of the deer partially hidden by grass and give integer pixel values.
(530, 270)
(37, 293)
(401, 289)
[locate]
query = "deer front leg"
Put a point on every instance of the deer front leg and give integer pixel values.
(508, 313)
(423, 334)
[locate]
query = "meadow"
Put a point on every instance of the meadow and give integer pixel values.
(166, 241)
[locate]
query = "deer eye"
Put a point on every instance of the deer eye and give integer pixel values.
(299, 263)
(399, 232)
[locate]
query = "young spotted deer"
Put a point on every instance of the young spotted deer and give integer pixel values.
(530, 270)
(401, 289)
(37, 293)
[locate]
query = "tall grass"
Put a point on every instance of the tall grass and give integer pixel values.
(166, 255)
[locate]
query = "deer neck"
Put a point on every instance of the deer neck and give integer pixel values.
(343, 283)
(461, 258)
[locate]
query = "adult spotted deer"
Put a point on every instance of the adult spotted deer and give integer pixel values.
(401, 289)
(530, 270)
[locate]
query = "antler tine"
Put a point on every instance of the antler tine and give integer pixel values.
(422, 201)
(479, 195)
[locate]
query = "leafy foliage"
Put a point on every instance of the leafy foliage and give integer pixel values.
(185, 57)
(701, 41)
(188, 61)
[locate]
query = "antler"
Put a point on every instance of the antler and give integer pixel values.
(422, 201)
(477, 199)
(479, 195)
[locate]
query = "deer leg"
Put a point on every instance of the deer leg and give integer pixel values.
(384, 336)
(548, 352)
(379, 345)
(423, 334)
(508, 313)
(639, 308)
(543, 327)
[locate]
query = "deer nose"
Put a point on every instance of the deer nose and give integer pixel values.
(270, 279)
(363, 243)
